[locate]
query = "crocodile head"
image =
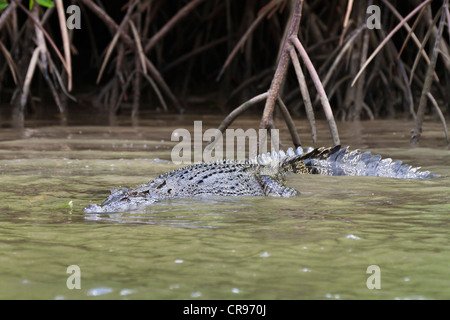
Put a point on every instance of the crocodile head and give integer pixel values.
(123, 200)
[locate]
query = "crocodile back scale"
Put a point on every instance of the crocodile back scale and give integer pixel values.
(261, 176)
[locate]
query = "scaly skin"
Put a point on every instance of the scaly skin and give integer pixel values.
(263, 176)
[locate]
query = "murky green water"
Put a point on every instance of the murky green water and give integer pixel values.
(315, 246)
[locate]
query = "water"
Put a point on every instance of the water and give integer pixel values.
(318, 245)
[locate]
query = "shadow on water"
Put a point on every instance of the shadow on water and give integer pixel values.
(317, 245)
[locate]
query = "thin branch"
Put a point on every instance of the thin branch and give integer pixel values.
(130, 43)
(425, 40)
(65, 41)
(5, 14)
(235, 113)
(159, 79)
(183, 12)
(12, 66)
(53, 90)
(140, 51)
(347, 17)
(139, 61)
(28, 77)
(447, 13)
(411, 31)
(388, 37)
(290, 123)
(319, 87)
(241, 43)
(305, 94)
(47, 36)
(56, 74)
(369, 112)
(248, 81)
(417, 130)
(114, 40)
(404, 77)
(111, 46)
(359, 92)
(344, 49)
(157, 91)
(193, 53)
(441, 116)
(408, 28)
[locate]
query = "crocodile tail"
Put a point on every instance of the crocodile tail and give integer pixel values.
(337, 161)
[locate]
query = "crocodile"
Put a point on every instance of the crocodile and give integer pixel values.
(261, 176)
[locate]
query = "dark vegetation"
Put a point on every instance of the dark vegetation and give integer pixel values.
(310, 59)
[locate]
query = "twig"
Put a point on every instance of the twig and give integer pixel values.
(408, 28)
(441, 116)
(139, 62)
(345, 48)
(44, 64)
(111, 46)
(234, 114)
(157, 91)
(359, 94)
(411, 31)
(12, 66)
(447, 13)
(59, 79)
(369, 112)
(183, 12)
(140, 51)
(417, 130)
(241, 43)
(249, 81)
(347, 17)
(388, 37)
(107, 20)
(28, 77)
(159, 79)
(130, 43)
(402, 71)
(5, 14)
(290, 123)
(305, 94)
(425, 40)
(319, 87)
(136, 88)
(55, 94)
(47, 36)
(65, 40)
(114, 40)
(337, 84)
(193, 53)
